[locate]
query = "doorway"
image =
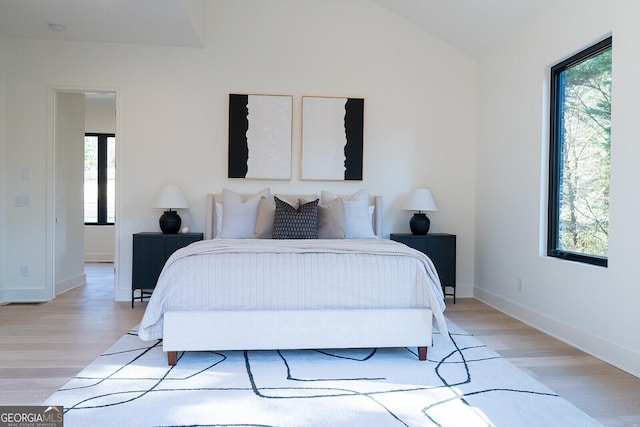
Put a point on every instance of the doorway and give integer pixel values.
(74, 239)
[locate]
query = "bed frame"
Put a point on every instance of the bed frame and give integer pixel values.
(295, 329)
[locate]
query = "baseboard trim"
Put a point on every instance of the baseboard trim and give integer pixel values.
(602, 349)
(73, 282)
(98, 257)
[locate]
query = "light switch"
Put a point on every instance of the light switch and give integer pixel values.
(21, 200)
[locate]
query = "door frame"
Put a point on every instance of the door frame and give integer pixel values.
(52, 92)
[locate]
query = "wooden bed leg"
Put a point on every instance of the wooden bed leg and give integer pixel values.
(422, 353)
(172, 357)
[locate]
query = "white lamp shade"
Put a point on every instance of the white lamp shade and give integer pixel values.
(419, 200)
(171, 197)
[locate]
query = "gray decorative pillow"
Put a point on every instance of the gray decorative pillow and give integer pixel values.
(292, 223)
(331, 220)
(264, 222)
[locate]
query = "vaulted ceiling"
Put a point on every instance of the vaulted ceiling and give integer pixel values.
(472, 26)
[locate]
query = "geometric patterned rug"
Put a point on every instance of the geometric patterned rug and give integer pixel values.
(463, 383)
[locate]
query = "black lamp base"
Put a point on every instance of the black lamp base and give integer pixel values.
(419, 224)
(170, 222)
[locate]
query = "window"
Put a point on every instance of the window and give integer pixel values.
(578, 218)
(99, 178)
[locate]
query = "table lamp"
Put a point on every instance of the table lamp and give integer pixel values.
(420, 200)
(169, 198)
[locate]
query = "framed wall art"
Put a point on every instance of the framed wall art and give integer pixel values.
(332, 138)
(260, 136)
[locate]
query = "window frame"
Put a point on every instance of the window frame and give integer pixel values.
(556, 155)
(102, 177)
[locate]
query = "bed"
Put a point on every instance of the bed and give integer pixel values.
(234, 291)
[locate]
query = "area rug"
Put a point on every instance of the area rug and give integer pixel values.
(463, 383)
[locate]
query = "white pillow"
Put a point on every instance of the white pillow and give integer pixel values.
(357, 219)
(239, 214)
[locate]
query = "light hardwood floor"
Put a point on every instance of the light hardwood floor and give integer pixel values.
(42, 347)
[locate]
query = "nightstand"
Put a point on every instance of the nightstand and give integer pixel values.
(441, 249)
(150, 252)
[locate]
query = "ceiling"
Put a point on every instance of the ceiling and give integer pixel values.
(153, 22)
(470, 25)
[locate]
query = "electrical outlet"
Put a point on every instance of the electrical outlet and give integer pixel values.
(25, 270)
(520, 284)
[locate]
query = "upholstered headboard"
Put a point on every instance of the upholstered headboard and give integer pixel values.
(210, 214)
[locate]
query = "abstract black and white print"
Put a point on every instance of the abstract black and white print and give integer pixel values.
(463, 383)
(260, 136)
(332, 138)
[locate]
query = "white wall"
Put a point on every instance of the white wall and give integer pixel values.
(591, 307)
(99, 243)
(100, 113)
(3, 165)
(100, 117)
(420, 115)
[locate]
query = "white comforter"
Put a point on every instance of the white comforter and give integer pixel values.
(251, 274)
